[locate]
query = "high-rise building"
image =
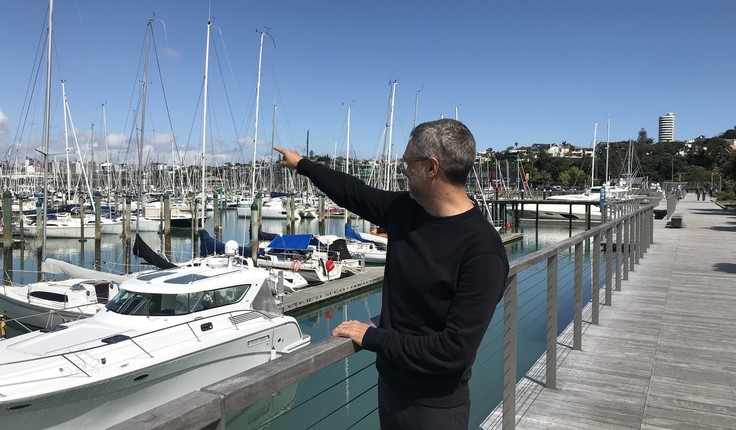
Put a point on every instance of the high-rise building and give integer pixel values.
(667, 127)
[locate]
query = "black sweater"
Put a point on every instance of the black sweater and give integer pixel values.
(443, 279)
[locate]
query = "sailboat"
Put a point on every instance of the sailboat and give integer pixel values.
(563, 207)
(165, 333)
(244, 206)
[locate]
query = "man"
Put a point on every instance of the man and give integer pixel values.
(445, 272)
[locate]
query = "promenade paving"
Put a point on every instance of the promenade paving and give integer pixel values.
(664, 354)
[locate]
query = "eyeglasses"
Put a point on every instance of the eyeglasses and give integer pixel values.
(405, 161)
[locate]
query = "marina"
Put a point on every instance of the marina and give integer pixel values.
(357, 295)
(174, 272)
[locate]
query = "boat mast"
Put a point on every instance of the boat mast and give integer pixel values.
(204, 118)
(347, 158)
(592, 168)
(390, 173)
(46, 127)
(255, 131)
(416, 109)
(608, 140)
(144, 95)
(66, 147)
(273, 140)
(107, 154)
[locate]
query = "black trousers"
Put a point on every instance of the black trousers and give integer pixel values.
(399, 413)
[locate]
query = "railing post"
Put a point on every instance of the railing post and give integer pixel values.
(650, 228)
(635, 242)
(596, 281)
(509, 354)
(619, 253)
(577, 337)
(626, 249)
(552, 265)
(609, 257)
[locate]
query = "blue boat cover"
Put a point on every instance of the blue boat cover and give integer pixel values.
(208, 245)
(291, 241)
(352, 234)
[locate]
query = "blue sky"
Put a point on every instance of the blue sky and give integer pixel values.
(516, 71)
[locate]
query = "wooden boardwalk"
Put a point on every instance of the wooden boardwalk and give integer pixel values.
(664, 354)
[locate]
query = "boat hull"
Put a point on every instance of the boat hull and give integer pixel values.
(107, 400)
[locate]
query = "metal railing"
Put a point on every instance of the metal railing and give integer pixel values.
(633, 235)
(626, 239)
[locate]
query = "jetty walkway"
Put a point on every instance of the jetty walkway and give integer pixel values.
(663, 355)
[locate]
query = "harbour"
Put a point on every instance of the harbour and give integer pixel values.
(315, 315)
(174, 272)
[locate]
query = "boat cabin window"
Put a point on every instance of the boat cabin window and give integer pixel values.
(47, 295)
(148, 304)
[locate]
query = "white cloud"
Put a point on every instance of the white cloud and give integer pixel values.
(173, 53)
(4, 123)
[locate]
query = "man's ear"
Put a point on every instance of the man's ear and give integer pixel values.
(434, 165)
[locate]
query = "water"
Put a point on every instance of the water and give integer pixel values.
(343, 395)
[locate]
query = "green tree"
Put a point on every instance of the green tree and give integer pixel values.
(573, 176)
(644, 137)
(729, 134)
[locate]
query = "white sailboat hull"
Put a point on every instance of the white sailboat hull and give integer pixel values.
(561, 212)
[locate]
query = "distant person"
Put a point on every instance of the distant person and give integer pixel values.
(445, 273)
(697, 194)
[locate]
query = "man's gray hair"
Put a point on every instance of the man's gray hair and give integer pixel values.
(451, 142)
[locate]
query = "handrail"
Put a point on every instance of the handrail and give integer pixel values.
(208, 406)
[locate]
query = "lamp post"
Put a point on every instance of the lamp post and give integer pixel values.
(672, 167)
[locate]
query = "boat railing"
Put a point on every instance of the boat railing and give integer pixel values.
(52, 314)
(613, 247)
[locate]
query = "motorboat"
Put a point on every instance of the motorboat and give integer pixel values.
(67, 227)
(49, 302)
(300, 253)
(281, 281)
(166, 333)
(271, 208)
(360, 246)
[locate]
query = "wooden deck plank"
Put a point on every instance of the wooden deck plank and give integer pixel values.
(664, 354)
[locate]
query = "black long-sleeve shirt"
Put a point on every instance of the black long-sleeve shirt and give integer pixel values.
(442, 282)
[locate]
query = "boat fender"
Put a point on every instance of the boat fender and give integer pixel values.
(2, 326)
(273, 353)
(296, 265)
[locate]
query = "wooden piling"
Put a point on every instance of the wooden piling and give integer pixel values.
(167, 213)
(216, 216)
(255, 227)
(8, 219)
(321, 215)
(82, 239)
(98, 232)
(40, 220)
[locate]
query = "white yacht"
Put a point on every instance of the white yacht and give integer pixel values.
(47, 303)
(165, 334)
